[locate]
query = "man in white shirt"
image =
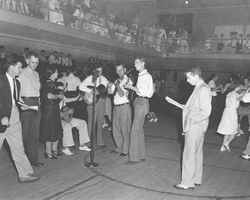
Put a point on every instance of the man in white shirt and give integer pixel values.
(30, 119)
(86, 86)
(144, 89)
(121, 112)
(195, 119)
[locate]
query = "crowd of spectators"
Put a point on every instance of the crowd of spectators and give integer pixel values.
(83, 15)
(236, 43)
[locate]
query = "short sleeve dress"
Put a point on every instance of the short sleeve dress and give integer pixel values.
(51, 127)
(229, 120)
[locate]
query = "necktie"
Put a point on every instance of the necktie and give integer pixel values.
(15, 90)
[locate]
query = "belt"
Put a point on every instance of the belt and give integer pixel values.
(122, 104)
(142, 97)
(31, 101)
(32, 98)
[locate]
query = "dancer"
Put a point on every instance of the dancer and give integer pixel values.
(229, 126)
(144, 89)
(10, 125)
(246, 153)
(196, 114)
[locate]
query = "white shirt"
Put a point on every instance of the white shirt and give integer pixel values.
(212, 86)
(10, 79)
(145, 84)
(30, 83)
(118, 100)
(72, 82)
(101, 80)
(246, 98)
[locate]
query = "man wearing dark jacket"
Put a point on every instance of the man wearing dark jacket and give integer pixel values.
(10, 125)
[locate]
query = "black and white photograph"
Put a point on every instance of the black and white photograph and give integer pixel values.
(124, 99)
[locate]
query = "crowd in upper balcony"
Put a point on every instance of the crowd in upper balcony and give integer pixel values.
(83, 15)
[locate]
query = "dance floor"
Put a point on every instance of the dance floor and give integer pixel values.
(226, 175)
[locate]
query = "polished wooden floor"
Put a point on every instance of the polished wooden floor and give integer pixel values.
(226, 175)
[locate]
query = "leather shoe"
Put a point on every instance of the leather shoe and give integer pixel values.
(37, 164)
(183, 187)
(245, 156)
(123, 154)
(28, 179)
(132, 162)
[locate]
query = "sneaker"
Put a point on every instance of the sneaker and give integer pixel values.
(67, 152)
(84, 148)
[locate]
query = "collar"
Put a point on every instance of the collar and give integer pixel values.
(124, 77)
(29, 69)
(143, 72)
(9, 77)
(199, 83)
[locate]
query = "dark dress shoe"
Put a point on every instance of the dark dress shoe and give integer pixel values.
(50, 156)
(114, 151)
(183, 187)
(28, 179)
(132, 162)
(123, 154)
(37, 164)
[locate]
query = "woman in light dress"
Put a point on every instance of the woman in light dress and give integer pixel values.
(229, 122)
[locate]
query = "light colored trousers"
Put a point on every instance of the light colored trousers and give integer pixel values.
(81, 126)
(122, 126)
(192, 160)
(13, 135)
(247, 150)
(137, 141)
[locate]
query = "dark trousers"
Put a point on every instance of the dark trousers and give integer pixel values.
(31, 127)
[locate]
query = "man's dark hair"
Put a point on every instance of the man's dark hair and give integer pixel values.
(142, 59)
(30, 54)
(119, 64)
(195, 71)
(12, 59)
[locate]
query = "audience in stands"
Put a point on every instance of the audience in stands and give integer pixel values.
(83, 15)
